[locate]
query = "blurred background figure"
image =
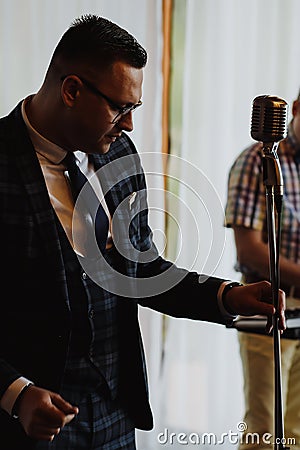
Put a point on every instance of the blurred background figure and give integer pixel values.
(246, 215)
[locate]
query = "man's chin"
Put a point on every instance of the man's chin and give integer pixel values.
(100, 149)
(105, 148)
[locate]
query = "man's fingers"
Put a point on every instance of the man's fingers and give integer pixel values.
(281, 310)
(48, 434)
(63, 405)
(43, 413)
(68, 418)
(269, 325)
(267, 300)
(57, 414)
(42, 431)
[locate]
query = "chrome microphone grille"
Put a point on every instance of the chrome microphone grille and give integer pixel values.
(269, 119)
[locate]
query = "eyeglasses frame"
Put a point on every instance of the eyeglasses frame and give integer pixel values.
(122, 110)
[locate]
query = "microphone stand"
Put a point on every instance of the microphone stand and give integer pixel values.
(273, 182)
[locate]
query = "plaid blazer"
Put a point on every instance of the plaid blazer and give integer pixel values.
(35, 314)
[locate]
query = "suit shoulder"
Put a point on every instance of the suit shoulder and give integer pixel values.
(10, 125)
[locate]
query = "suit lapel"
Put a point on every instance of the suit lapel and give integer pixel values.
(30, 172)
(28, 166)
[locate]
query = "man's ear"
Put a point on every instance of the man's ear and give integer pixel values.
(70, 90)
(296, 107)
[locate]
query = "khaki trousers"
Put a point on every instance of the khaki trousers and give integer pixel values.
(258, 369)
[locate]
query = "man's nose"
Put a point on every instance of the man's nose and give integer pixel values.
(126, 122)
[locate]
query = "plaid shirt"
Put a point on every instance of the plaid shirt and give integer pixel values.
(246, 203)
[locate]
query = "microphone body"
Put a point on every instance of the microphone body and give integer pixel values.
(269, 126)
(269, 119)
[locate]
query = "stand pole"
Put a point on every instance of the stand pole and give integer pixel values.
(274, 194)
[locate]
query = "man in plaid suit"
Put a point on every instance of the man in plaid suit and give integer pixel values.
(72, 368)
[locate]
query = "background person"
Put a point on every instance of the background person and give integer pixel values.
(246, 215)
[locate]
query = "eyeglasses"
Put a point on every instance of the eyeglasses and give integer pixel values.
(122, 110)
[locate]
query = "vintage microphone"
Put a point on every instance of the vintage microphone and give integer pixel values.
(269, 126)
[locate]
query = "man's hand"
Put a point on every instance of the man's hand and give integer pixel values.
(43, 413)
(256, 299)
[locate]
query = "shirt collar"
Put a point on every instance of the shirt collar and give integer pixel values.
(43, 146)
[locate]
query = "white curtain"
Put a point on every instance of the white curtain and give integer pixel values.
(235, 50)
(29, 32)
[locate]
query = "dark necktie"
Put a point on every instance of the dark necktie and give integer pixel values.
(92, 203)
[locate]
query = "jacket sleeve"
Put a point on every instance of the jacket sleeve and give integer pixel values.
(181, 293)
(8, 376)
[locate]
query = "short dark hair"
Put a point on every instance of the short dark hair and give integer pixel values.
(98, 42)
